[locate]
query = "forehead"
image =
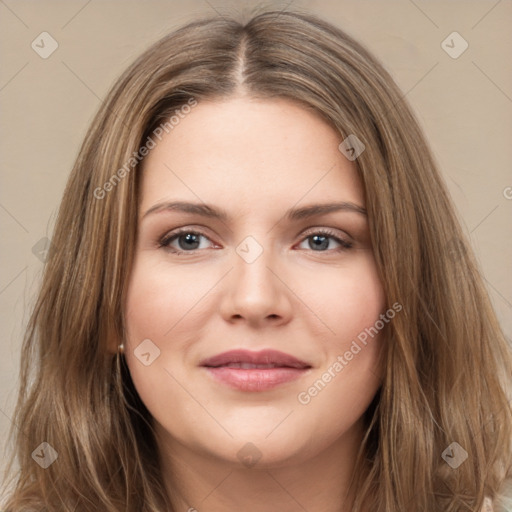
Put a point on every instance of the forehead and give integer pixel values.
(249, 151)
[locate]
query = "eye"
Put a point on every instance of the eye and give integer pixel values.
(320, 240)
(188, 241)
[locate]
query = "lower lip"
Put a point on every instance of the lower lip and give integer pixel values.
(255, 379)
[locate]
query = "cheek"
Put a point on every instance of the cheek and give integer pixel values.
(345, 300)
(350, 303)
(160, 302)
(165, 306)
(343, 388)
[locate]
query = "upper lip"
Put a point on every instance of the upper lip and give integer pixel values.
(273, 357)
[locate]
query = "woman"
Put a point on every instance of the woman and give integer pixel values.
(325, 344)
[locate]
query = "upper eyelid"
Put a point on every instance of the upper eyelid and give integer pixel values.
(203, 230)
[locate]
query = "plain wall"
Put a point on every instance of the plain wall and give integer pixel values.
(464, 105)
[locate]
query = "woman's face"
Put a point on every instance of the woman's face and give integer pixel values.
(273, 274)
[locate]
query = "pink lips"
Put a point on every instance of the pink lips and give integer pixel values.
(254, 371)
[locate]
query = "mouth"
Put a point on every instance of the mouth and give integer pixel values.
(254, 371)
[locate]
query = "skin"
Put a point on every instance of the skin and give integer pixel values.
(255, 159)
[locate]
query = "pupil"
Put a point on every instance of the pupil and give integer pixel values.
(189, 238)
(324, 242)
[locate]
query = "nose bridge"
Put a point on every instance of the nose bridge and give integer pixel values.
(250, 249)
(255, 292)
(252, 262)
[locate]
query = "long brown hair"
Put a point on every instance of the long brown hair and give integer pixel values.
(447, 364)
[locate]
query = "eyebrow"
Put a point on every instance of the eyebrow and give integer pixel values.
(292, 214)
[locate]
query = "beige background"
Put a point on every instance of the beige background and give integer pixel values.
(463, 104)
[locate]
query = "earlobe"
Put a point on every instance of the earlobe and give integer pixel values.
(113, 340)
(113, 346)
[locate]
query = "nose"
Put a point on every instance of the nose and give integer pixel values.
(257, 291)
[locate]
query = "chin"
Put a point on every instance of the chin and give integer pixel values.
(254, 448)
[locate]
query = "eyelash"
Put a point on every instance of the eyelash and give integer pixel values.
(170, 237)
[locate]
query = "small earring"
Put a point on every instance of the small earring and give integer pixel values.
(120, 349)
